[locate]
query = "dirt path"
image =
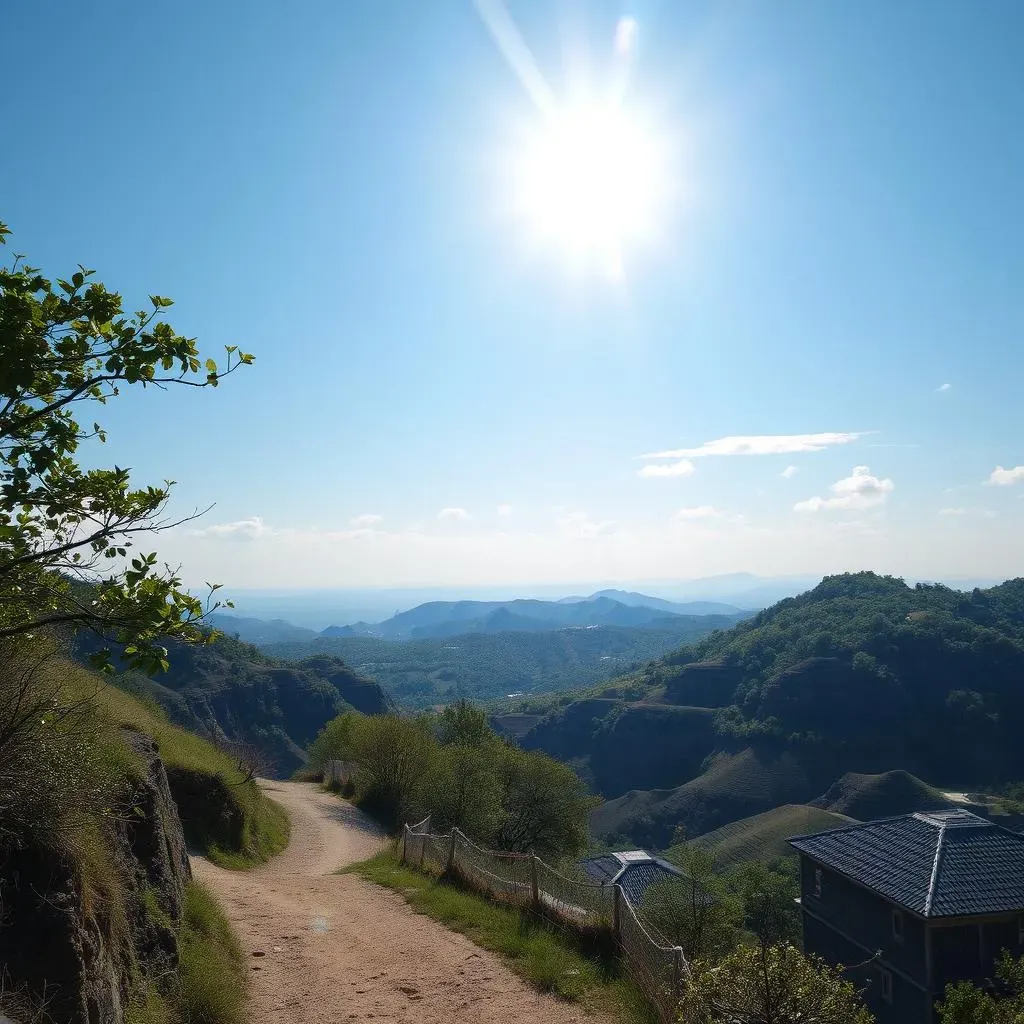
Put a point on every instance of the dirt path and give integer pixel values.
(338, 949)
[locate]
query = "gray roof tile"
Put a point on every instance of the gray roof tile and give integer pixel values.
(940, 864)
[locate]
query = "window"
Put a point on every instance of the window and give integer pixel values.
(897, 925)
(1020, 931)
(817, 882)
(886, 977)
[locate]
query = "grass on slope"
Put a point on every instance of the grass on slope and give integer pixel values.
(734, 786)
(762, 837)
(865, 797)
(262, 826)
(547, 959)
(210, 984)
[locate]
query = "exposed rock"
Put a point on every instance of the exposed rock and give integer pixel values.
(80, 938)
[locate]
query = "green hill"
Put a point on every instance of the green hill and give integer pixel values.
(763, 836)
(231, 691)
(622, 745)
(733, 786)
(490, 666)
(881, 796)
(861, 674)
(222, 813)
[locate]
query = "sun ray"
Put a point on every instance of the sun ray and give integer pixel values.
(589, 177)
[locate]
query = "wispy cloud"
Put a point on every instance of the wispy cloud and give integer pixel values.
(952, 511)
(241, 529)
(759, 444)
(364, 521)
(698, 512)
(860, 490)
(504, 511)
(579, 524)
(453, 515)
(1006, 477)
(684, 467)
(943, 388)
(789, 472)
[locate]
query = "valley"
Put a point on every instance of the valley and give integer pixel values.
(838, 701)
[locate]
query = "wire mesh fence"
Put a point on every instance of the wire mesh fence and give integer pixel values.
(656, 968)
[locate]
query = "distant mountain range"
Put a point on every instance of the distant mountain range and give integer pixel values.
(436, 619)
(316, 609)
(607, 608)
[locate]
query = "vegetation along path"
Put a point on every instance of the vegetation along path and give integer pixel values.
(333, 948)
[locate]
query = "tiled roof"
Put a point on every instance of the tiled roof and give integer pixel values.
(602, 869)
(940, 864)
(636, 871)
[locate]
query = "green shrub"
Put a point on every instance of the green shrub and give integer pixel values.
(457, 769)
(212, 981)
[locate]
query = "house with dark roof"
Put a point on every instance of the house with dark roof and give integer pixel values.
(635, 870)
(912, 903)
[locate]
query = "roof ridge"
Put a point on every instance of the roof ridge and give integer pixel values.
(936, 867)
(851, 825)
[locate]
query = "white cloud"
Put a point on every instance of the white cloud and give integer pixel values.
(625, 35)
(860, 490)
(789, 472)
(579, 524)
(288, 555)
(943, 388)
(459, 515)
(364, 521)
(698, 512)
(1006, 477)
(505, 511)
(952, 511)
(760, 444)
(242, 529)
(684, 467)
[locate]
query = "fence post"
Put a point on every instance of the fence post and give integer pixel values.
(451, 854)
(617, 913)
(534, 887)
(423, 847)
(677, 973)
(405, 834)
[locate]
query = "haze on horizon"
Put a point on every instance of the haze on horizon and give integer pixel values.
(555, 292)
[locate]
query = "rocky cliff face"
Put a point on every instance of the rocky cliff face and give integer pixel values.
(81, 927)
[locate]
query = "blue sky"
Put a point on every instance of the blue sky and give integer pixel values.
(836, 251)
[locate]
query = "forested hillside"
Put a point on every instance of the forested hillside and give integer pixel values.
(861, 674)
(485, 667)
(231, 691)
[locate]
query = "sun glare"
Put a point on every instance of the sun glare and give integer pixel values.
(590, 180)
(589, 175)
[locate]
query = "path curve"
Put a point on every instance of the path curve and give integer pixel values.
(339, 949)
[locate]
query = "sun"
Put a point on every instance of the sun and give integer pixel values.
(591, 180)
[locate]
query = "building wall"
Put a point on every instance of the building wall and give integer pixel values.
(909, 1003)
(969, 952)
(866, 918)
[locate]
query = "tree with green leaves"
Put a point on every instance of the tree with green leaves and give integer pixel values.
(964, 1003)
(393, 757)
(694, 911)
(465, 791)
(464, 724)
(68, 559)
(769, 985)
(767, 895)
(545, 805)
